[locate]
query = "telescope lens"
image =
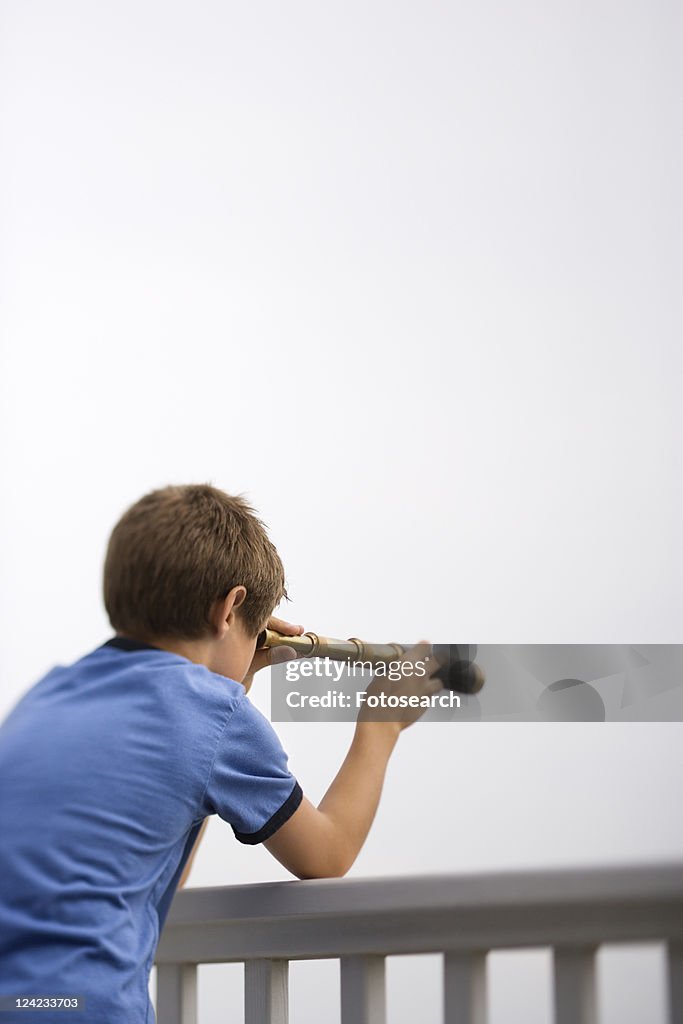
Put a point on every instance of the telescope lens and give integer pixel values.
(457, 670)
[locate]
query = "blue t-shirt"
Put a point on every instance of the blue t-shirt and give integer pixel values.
(107, 769)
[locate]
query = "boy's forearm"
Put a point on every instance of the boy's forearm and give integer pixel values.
(324, 841)
(351, 801)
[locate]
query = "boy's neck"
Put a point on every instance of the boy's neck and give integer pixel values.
(201, 652)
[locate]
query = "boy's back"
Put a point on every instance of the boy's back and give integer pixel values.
(108, 768)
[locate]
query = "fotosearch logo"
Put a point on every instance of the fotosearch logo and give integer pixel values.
(360, 699)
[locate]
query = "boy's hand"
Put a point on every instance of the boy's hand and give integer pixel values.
(273, 655)
(418, 666)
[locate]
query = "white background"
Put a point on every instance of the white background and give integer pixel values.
(405, 275)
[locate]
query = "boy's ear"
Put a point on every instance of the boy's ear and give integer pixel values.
(223, 614)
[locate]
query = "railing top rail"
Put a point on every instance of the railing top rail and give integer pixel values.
(320, 897)
(338, 917)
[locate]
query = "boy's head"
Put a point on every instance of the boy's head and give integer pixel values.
(182, 559)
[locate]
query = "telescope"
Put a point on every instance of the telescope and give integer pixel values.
(457, 670)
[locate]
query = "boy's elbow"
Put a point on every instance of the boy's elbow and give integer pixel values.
(311, 845)
(331, 871)
(335, 864)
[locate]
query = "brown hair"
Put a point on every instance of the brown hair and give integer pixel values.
(179, 549)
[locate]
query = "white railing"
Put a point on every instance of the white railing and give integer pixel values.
(360, 922)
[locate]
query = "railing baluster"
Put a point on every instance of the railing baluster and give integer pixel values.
(363, 990)
(464, 988)
(176, 994)
(675, 982)
(575, 996)
(266, 992)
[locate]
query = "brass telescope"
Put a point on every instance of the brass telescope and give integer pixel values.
(456, 669)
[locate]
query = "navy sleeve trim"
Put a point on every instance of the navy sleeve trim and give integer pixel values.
(276, 821)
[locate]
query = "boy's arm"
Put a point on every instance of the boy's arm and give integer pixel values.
(324, 842)
(188, 863)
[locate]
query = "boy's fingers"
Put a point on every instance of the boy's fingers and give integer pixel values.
(271, 656)
(425, 652)
(278, 655)
(422, 651)
(280, 626)
(433, 685)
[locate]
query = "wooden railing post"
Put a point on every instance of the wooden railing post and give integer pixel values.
(675, 982)
(266, 992)
(464, 988)
(176, 994)
(575, 995)
(363, 990)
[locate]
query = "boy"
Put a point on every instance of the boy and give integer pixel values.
(111, 767)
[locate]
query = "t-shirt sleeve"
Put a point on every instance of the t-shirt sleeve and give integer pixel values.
(250, 785)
